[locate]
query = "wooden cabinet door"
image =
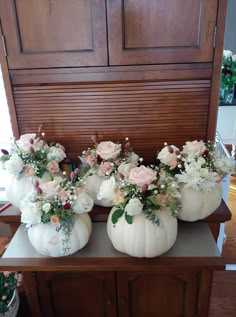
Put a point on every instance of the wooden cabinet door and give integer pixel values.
(49, 33)
(161, 31)
(83, 294)
(159, 294)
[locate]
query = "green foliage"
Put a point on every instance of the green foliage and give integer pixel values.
(8, 284)
(152, 216)
(128, 218)
(116, 215)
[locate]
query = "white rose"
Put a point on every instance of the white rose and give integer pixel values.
(24, 141)
(107, 189)
(234, 58)
(14, 165)
(134, 207)
(227, 54)
(125, 168)
(108, 150)
(83, 203)
(194, 147)
(46, 207)
(31, 213)
(56, 153)
(133, 158)
(165, 156)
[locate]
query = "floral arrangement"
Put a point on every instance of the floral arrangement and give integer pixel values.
(105, 157)
(198, 165)
(31, 156)
(58, 202)
(228, 74)
(143, 189)
(9, 281)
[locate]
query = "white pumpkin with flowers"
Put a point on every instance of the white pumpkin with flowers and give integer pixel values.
(199, 168)
(143, 221)
(30, 159)
(56, 216)
(103, 161)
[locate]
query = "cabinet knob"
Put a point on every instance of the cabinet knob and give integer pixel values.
(108, 301)
(123, 300)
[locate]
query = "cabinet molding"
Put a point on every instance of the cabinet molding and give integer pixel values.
(161, 32)
(42, 34)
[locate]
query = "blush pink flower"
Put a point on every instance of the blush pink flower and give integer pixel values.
(50, 189)
(108, 150)
(63, 195)
(173, 163)
(142, 175)
(55, 221)
(53, 167)
(29, 171)
(90, 160)
(194, 147)
(106, 168)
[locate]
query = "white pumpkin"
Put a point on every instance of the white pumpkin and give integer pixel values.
(197, 205)
(143, 238)
(92, 185)
(47, 241)
(17, 189)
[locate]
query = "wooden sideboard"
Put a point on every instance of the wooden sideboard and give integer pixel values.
(100, 281)
(11, 215)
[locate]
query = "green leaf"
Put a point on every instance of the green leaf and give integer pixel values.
(116, 215)
(128, 218)
(41, 172)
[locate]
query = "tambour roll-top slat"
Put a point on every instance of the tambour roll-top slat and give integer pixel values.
(149, 113)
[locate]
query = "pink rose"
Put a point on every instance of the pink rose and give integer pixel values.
(50, 189)
(29, 171)
(142, 176)
(108, 150)
(53, 167)
(90, 160)
(55, 221)
(63, 195)
(194, 147)
(106, 168)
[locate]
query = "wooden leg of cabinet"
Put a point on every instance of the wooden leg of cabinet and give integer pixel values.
(204, 293)
(32, 294)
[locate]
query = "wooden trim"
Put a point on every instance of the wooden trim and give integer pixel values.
(213, 105)
(8, 89)
(109, 74)
(204, 293)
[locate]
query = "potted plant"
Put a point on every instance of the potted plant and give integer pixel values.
(30, 159)
(228, 77)
(143, 221)
(9, 299)
(199, 168)
(56, 216)
(103, 160)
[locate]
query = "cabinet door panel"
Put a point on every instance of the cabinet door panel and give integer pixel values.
(77, 294)
(51, 33)
(157, 294)
(161, 31)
